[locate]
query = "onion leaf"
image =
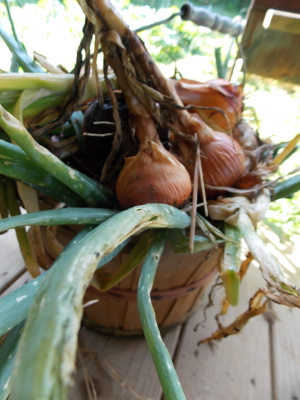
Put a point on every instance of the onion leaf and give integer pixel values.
(44, 365)
(161, 357)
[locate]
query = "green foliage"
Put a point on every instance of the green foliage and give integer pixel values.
(283, 217)
(19, 52)
(174, 44)
(22, 3)
(176, 40)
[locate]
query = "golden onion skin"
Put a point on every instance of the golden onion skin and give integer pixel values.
(217, 93)
(154, 175)
(222, 158)
(223, 162)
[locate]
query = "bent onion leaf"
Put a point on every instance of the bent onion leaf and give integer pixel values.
(180, 242)
(93, 193)
(14, 163)
(135, 257)
(161, 357)
(7, 355)
(25, 294)
(64, 216)
(54, 318)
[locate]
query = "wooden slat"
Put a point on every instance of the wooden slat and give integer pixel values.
(236, 368)
(268, 52)
(24, 278)
(286, 353)
(11, 261)
(283, 5)
(129, 357)
(282, 21)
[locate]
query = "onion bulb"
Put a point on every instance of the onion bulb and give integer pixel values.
(154, 175)
(217, 93)
(222, 159)
(223, 162)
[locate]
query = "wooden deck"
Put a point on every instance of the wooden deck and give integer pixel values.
(261, 363)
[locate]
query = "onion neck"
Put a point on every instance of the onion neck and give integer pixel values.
(191, 123)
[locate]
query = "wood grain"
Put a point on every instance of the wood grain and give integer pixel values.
(286, 352)
(11, 262)
(128, 357)
(235, 368)
(284, 22)
(268, 52)
(24, 278)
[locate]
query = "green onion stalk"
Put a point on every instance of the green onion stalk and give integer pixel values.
(15, 164)
(23, 296)
(231, 264)
(14, 210)
(55, 315)
(47, 90)
(163, 363)
(67, 216)
(91, 191)
(7, 355)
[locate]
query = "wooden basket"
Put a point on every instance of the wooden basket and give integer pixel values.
(180, 282)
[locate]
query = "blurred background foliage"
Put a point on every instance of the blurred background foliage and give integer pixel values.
(53, 28)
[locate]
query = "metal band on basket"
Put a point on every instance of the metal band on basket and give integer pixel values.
(157, 295)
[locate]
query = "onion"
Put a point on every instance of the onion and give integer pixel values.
(217, 93)
(222, 158)
(154, 175)
(223, 162)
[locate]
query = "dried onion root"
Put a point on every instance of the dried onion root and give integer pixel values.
(143, 85)
(154, 175)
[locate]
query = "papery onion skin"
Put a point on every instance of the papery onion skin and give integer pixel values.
(154, 175)
(217, 93)
(223, 162)
(222, 159)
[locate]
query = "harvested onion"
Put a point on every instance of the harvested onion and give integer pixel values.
(154, 175)
(222, 158)
(216, 93)
(223, 162)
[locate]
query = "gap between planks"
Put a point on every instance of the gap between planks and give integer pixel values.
(235, 368)
(128, 357)
(11, 261)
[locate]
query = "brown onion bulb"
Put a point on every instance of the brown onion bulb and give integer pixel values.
(217, 93)
(154, 175)
(222, 159)
(223, 162)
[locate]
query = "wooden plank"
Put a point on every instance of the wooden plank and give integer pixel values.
(282, 21)
(116, 364)
(268, 52)
(286, 352)
(24, 278)
(11, 261)
(235, 368)
(283, 5)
